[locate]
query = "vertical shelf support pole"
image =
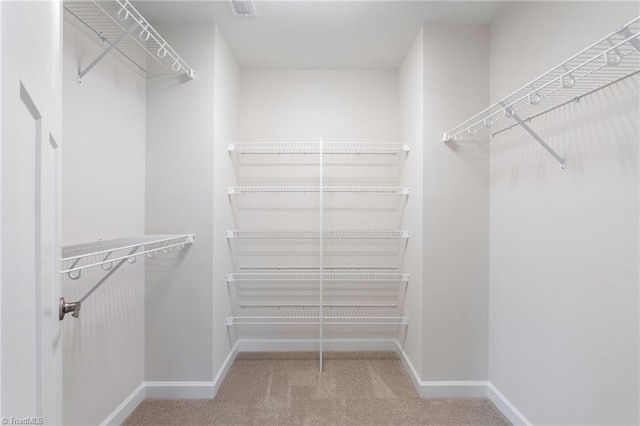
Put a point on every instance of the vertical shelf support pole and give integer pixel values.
(88, 68)
(321, 266)
(511, 113)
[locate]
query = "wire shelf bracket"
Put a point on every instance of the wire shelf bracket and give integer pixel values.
(108, 19)
(126, 250)
(605, 62)
(510, 112)
(112, 46)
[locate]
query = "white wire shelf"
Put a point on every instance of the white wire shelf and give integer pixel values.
(313, 274)
(111, 255)
(355, 233)
(75, 258)
(614, 57)
(350, 190)
(121, 27)
(346, 148)
(310, 314)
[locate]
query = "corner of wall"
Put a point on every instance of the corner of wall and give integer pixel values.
(225, 118)
(179, 199)
(411, 100)
(456, 213)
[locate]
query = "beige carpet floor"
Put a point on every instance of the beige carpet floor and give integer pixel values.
(363, 388)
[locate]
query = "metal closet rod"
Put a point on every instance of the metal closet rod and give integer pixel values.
(148, 246)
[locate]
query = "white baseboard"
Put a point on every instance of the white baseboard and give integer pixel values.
(127, 407)
(453, 389)
(416, 381)
(171, 390)
(462, 389)
(444, 388)
(506, 407)
(179, 390)
(224, 369)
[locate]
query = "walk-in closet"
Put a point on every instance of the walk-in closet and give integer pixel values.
(319, 212)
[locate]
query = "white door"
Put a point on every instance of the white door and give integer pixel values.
(30, 123)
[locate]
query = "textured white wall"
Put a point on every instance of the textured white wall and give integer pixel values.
(103, 187)
(456, 206)
(411, 104)
(564, 245)
(226, 87)
(180, 134)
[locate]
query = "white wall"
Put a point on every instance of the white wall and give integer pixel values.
(307, 105)
(102, 197)
(411, 105)
(564, 245)
(103, 169)
(226, 99)
(180, 134)
(456, 207)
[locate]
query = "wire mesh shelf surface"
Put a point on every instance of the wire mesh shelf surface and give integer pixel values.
(315, 233)
(605, 62)
(110, 19)
(349, 148)
(351, 190)
(310, 314)
(105, 253)
(313, 274)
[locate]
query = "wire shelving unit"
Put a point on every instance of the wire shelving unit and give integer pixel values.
(348, 190)
(110, 255)
(328, 148)
(313, 274)
(607, 61)
(310, 314)
(121, 27)
(355, 233)
(250, 281)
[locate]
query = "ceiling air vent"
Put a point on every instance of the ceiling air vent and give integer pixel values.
(242, 8)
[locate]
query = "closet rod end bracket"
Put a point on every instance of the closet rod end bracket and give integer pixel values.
(66, 308)
(79, 80)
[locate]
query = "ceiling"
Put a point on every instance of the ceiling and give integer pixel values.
(329, 34)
